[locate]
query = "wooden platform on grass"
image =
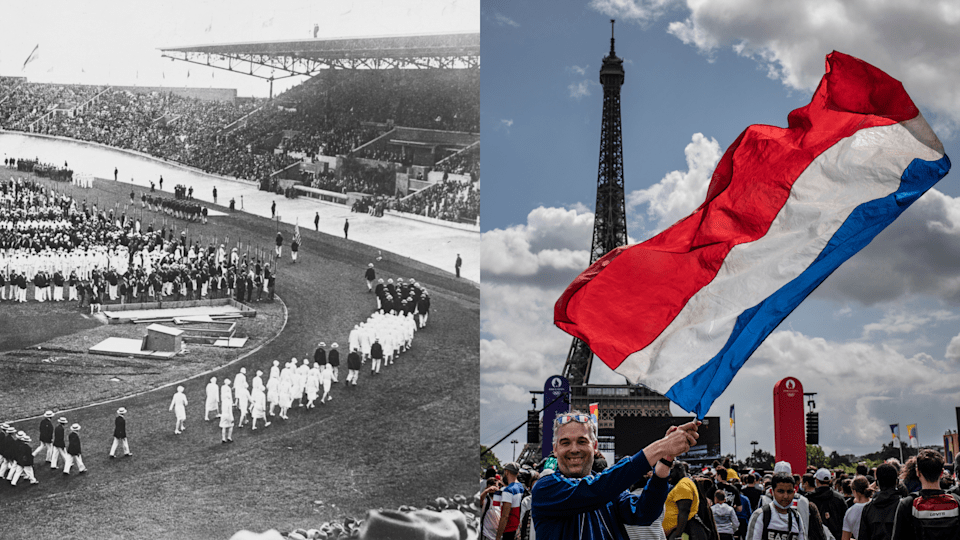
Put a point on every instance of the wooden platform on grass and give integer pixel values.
(127, 347)
(218, 309)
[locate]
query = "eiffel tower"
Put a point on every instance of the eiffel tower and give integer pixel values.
(609, 231)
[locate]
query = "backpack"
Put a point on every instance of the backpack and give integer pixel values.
(937, 517)
(768, 514)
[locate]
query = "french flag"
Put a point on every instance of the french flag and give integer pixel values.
(682, 312)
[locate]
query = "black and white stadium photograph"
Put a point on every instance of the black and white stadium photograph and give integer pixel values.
(239, 269)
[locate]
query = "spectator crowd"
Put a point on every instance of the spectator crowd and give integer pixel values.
(916, 500)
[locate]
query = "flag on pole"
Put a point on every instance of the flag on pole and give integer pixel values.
(733, 428)
(595, 414)
(895, 432)
(682, 312)
(34, 54)
(296, 234)
(912, 437)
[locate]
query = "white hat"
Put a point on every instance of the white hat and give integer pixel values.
(782, 467)
(322, 344)
(75, 427)
(370, 265)
(121, 411)
(48, 414)
(822, 475)
(334, 345)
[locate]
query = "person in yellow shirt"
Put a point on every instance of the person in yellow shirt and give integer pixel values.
(682, 504)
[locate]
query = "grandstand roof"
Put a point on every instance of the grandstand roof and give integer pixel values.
(465, 44)
(309, 56)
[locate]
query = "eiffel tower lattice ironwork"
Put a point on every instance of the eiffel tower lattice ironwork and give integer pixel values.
(610, 222)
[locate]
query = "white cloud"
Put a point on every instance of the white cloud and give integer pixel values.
(579, 89)
(679, 192)
(905, 322)
(914, 42)
(503, 20)
(953, 349)
(578, 70)
(638, 11)
(553, 240)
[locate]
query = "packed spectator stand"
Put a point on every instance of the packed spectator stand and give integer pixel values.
(331, 114)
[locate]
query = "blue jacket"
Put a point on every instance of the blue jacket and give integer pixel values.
(597, 506)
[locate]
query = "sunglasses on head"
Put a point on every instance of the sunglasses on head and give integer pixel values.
(567, 418)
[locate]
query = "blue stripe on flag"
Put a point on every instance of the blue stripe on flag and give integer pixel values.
(697, 392)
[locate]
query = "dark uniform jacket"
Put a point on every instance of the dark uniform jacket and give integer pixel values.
(354, 361)
(334, 358)
(320, 356)
(120, 428)
(73, 447)
(58, 436)
(46, 430)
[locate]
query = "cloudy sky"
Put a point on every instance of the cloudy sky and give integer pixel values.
(879, 341)
(117, 42)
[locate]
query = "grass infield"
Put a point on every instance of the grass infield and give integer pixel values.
(405, 436)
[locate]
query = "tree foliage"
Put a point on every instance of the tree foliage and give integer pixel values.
(488, 458)
(815, 456)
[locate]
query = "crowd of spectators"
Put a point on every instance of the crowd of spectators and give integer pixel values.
(448, 200)
(331, 114)
(465, 162)
(49, 239)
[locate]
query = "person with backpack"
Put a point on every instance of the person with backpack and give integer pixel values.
(779, 520)
(830, 502)
(929, 514)
(876, 520)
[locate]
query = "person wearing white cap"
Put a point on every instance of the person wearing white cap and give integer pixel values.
(241, 379)
(258, 407)
(242, 395)
(213, 399)
(257, 382)
(226, 412)
(74, 453)
(9, 457)
(179, 407)
(333, 360)
(313, 385)
(273, 392)
(24, 460)
(59, 443)
(120, 434)
(800, 504)
(325, 380)
(46, 436)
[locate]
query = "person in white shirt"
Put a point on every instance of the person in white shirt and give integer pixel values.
(861, 496)
(724, 516)
(784, 521)
(213, 399)
(179, 407)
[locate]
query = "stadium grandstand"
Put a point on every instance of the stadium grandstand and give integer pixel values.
(387, 122)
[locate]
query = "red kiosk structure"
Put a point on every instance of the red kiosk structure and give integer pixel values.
(789, 435)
